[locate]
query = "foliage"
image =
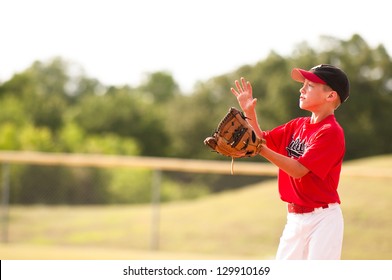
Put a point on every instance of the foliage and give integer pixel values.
(126, 113)
(160, 86)
(130, 186)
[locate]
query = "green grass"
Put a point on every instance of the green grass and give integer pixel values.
(240, 224)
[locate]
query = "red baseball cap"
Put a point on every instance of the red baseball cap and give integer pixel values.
(327, 75)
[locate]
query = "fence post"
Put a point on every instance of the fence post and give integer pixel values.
(155, 200)
(5, 201)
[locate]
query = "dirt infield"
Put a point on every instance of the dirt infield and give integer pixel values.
(37, 252)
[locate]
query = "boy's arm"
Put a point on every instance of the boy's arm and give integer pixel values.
(289, 165)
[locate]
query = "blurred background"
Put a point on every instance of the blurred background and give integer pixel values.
(151, 81)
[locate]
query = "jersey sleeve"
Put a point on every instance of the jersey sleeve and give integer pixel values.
(276, 138)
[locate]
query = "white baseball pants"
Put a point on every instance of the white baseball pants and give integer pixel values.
(313, 236)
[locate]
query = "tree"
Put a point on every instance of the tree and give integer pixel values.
(126, 113)
(160, 86)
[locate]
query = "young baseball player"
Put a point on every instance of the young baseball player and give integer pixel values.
(308, 152)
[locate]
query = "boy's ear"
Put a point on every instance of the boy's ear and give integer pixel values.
(334, 98)
(333, 95)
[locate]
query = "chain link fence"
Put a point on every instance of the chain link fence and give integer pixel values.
(32, 178)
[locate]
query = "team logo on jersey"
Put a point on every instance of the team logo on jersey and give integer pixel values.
(296, 148)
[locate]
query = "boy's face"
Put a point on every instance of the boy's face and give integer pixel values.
(313, 96)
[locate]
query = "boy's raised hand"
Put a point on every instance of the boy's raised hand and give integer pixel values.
(243, 93)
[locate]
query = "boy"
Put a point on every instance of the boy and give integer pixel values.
(309, 153)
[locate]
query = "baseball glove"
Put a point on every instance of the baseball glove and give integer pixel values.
(234, 137)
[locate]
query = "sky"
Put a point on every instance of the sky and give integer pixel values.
(119, 41)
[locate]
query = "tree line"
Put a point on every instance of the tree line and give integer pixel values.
(52, 106)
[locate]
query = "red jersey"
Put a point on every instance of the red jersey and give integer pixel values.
(320, 147)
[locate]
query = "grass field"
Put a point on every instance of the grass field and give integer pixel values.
(240, 224)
